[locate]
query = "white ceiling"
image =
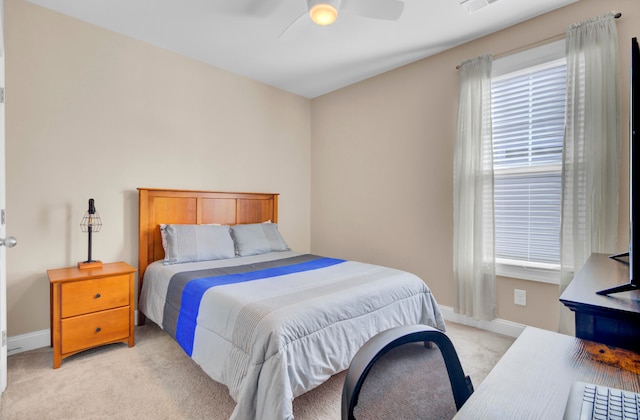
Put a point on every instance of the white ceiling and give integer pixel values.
(242, 36)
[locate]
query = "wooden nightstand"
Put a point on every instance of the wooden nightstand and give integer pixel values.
(90, 308)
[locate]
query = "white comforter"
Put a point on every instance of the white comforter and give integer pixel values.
(271, 340)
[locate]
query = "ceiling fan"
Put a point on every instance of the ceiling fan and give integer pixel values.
(325, 12)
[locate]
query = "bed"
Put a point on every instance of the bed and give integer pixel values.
(266, 321)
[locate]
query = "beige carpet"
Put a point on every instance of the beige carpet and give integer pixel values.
(156, 380)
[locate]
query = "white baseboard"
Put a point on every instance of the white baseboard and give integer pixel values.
(35, 340)
(499, 326)
(30, 341)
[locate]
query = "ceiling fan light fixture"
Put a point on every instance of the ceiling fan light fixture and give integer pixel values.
(323, 14)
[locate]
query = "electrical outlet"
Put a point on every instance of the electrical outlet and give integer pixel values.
(520, 297)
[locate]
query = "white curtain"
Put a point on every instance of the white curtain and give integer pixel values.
(591, 149)
(473, 229)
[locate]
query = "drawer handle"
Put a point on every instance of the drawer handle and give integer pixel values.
(98, 330)
(97, 295)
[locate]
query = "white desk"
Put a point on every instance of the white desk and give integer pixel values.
(533, 378)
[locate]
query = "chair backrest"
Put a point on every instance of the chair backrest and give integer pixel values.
(382, 343)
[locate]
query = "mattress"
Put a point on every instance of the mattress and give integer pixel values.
(273, 326)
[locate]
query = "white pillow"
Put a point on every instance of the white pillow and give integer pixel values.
(189, 243)
(257, 238)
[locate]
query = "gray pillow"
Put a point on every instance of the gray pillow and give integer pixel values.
(257, 238)
(189, 243)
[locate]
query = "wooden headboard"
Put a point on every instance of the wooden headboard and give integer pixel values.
(157, 206)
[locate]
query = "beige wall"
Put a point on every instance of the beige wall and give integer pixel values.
(92, 114)
(382, 162)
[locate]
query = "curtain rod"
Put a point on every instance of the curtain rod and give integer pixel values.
(553, 38)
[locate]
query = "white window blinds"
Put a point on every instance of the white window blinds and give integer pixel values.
(528, 108)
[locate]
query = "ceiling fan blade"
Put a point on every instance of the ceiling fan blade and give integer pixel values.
(254, 8)
(375, 9)
(296, 28)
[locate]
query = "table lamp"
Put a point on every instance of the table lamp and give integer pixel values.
(90, 223)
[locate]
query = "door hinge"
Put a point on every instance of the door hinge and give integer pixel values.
(4, 338)
(2, 217)
(1, 95)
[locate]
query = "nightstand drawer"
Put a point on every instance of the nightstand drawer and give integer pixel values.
(82, 297)
(86, 331)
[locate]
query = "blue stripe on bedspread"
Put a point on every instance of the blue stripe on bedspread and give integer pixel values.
(195, 289)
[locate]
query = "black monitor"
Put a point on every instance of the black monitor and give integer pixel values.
(633, 255)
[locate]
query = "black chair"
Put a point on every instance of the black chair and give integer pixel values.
(382, 343)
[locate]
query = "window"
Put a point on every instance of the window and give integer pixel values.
(528, 110)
